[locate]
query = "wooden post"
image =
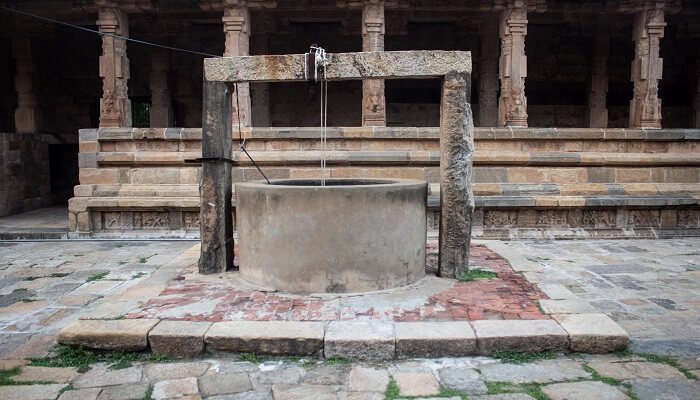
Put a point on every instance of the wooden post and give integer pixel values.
(216, 224)
(456, 153)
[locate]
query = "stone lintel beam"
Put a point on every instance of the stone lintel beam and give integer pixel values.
(219, 5)
(343, 66)
(456, 154)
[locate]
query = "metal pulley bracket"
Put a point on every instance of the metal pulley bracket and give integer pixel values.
(316, 61)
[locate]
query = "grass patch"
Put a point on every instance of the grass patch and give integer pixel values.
(254, 358)
(20, 290)
(28, 300)
(149, 393)
(532, 389)
(142, 260)
(96, 277)
(81, 358)
(122, 262)
(6, 378)
(338, 360)
(139, 275)
(392, 391)
(31, 278)
(476, 273)
(65, 389)
(522, 358)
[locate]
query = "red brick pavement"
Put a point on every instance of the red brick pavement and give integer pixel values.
(508, 296)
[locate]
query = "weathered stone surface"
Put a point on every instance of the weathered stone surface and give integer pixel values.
(178, 339)
(211, 385)
(505, 396)
(124, 392)
(593, 333)
(11, 364)
(251, 395)
(80, 394)
(465, 380)
(567, 306)
(285, 374)
(174, 388)
(103, 376)
(327, 375)
(434, 339)
(540, 372)
(266, 337)
(45, 374)
(342, 66)
(126, 334)
(156, 372)
(417, 383)
(583, 391)
(636, 370)
(301, 392)
(30, 392)
(362, 396)
(666, 390)
(456, 155)
(362, 340)
(364, 379)
(519, 335)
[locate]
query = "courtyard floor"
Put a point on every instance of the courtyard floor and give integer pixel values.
(649, 287)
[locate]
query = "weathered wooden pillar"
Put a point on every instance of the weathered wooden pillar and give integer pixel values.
(488, 72)
(647, 66)
(215, 220)
(456, 197)
(512, 106)
(27, 111)
(373, 99)
(115, 106)
(597, 106)
(161, 103)
(236, 21)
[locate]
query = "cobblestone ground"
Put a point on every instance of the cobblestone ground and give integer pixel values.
(649, 287)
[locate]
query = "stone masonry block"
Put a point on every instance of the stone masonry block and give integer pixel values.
(266, 337)
(362, 340)
(124, 335)
(87, 160)
(593, 333)
(98, 175)
(519, 335)
(178, 339)
(434, 339)
(87, 135)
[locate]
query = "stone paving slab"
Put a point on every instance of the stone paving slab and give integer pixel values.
(636, 370)
(33, 392)
(519, 335)
(539, 372)
(593, 333)
(583, 391)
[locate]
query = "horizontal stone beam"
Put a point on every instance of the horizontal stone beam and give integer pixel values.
(342, 66)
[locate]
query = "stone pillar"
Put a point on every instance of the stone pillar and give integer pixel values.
(215, 187)
(236, 21)
(373, 100)
(161, 103)
(456, 154)
(597, 107)
(488, 72)
(27, 112)
(115, 107)
(647, 66)
(512, 106)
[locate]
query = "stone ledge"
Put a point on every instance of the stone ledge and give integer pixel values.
(124, 335)
(361, 340)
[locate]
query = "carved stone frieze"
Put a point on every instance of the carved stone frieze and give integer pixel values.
(643, 218)
(500, 218)
(551, 218)
(689, 218)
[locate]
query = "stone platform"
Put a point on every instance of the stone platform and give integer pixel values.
(184, 314)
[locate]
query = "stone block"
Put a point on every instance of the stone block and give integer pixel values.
(177, 370)
(363, 379)
(30, 392)
(567, 306)
(636, 370)
(266, 337)
(301, 392)
(662, 390)
(583, 391)
(88, 147)
(125, 335)
(46, 374)
(593, 333)
(417, 383)
(98, 175)
(104, 376)
(489, 175)
(124, 392)
(174, 388)
(219, 384)
(87, 135)
(519, 335)
(632, 175)
(434, 339)
(178, 339)
(81, 394)
(465, 380)
(362, 340)
(537, 372)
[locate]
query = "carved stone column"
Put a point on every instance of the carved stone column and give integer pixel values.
(647, 66)
(373, 100)
(115, 106)
(236, 21)
(488, 72)
(27, 111)
(597, 107)
(512, 106)
(161, 103)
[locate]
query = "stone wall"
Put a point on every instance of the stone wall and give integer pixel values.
(24, 173)
(527, 182)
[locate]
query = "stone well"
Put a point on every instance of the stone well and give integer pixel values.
(352, 235)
